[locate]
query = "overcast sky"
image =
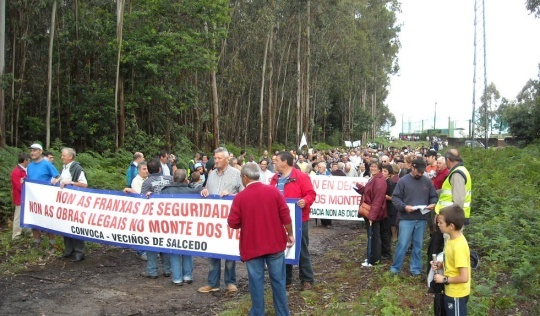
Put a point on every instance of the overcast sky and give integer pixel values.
(437, 53)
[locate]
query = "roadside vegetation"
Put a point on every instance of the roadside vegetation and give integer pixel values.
(504, 231)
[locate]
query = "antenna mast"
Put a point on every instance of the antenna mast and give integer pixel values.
(479, 78)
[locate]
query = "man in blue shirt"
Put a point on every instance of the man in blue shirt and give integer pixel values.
(42, 170)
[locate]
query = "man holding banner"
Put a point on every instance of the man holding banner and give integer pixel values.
(155, 182)
(41, 169)
(72, 174)
(223, 181)
(293, 183)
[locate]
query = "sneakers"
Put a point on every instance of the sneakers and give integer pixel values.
(188, 281)
(366, 264)
(178, 283)
(166, 274)
(207, 289)
(146, 275)
(231, 288)
(142, 255)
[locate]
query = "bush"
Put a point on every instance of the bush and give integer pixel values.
(504, 222)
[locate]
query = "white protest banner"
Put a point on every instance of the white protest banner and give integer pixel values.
(184, 224)
(336, 198)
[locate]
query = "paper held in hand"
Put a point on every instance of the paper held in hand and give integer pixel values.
(422, 209)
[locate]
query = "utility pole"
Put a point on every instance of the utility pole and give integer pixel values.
(435, 116)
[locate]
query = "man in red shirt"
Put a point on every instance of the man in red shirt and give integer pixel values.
(17, 179)
(261, 212)
(293, 183)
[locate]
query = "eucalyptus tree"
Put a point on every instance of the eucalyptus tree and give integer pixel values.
(523, 117)
(2, 66)
(534, 7)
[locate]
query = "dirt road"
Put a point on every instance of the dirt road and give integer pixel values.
(107, 283)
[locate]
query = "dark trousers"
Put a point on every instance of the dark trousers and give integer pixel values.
(74, 246)
(326, 222)
(386, 238)
(374, 252)
(305, 268)
(436, 245)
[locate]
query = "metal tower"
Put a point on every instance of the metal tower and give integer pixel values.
(480, 72)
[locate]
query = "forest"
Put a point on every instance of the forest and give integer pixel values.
(104, 75)
(155, 74)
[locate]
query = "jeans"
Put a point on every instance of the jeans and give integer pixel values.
(276, 271)
(152, 263)
(409, 229)
(181, 268)
(215, 272)
(306, 270)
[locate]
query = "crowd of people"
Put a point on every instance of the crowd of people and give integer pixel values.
(407, 190)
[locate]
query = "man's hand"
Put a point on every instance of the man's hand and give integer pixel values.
(224, 193)
(290, 241)
(63, 183)
(204, 192)
(301, 203)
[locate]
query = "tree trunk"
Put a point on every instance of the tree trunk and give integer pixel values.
(246, 117)
(119, 25)
(122, 116)
(276, 136)
(13, 109)
(49, 79)
(261, 106)
(270, 90)
(308, 62)
(298, 82)
(2, 64)
(215, 106)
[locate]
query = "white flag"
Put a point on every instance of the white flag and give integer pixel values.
(303, 141)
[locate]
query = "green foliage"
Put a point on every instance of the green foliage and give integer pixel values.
(104, 171)
(534, 7)
(505, 203)
(523, 117)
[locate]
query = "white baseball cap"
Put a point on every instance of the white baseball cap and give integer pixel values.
(36, 146)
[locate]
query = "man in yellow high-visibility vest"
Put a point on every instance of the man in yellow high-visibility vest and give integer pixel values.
(456, 189)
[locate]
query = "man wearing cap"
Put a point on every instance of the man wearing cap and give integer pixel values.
(413, 194)
(42, 170)
(202, 173)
